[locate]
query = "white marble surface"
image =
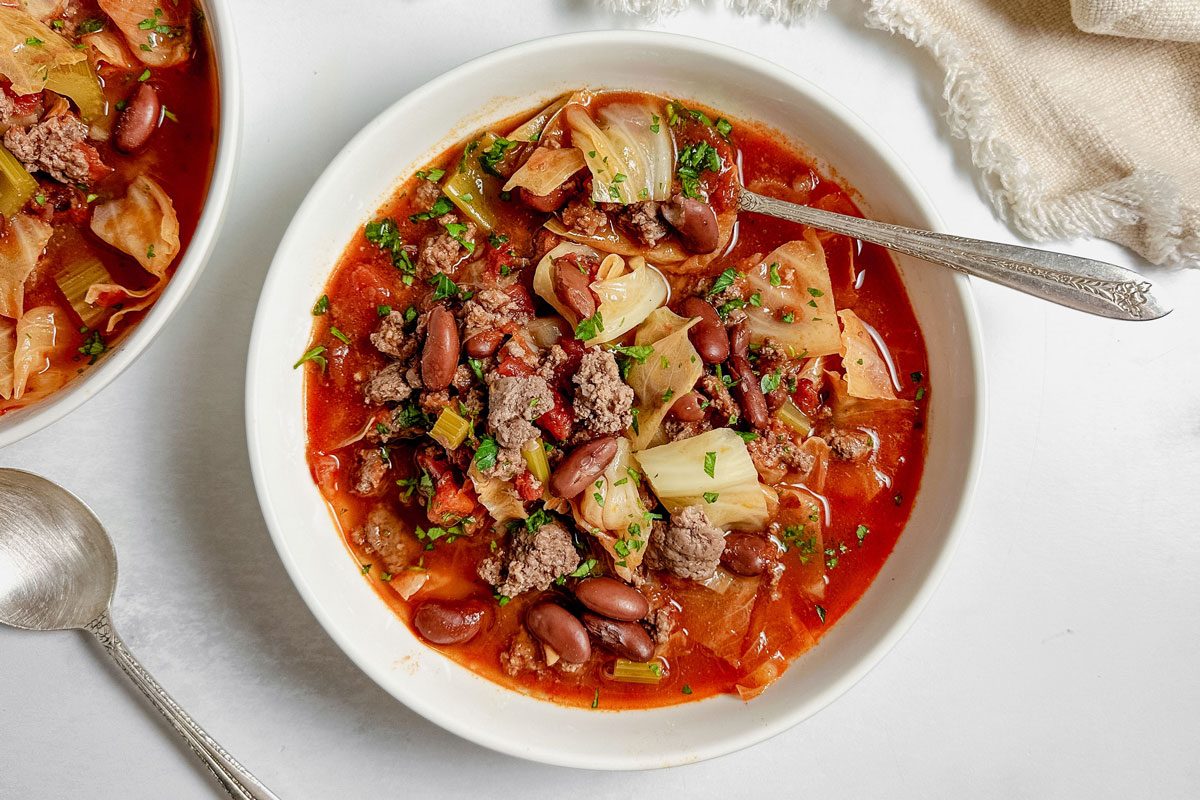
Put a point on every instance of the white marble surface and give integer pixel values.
(1059, 658)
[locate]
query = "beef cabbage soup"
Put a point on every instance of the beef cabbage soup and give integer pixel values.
(107, 141)
(595, 437)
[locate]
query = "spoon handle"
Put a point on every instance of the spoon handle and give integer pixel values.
(1080, 283)
(233, 777)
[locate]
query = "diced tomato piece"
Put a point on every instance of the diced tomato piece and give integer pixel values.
(807, 397)
(559, 420)
(513, 367)
(97, 169)
(528, 487)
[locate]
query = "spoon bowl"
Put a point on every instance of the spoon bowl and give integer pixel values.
(58, 568)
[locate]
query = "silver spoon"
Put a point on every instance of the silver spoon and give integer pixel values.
(58, 570)
(1080, 283)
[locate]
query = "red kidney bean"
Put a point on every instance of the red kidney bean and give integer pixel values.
(138, 120)
(583, 465)
(694, 221)
(448, 621)
(746, 554)
(689, 407)
(708, 335)
(612, 598)
(626, 639)
(573, 289)
(482, 345)
(558, 628)
(439, 359)
(546, 203)
(749, 392)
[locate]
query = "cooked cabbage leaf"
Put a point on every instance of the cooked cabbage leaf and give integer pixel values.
(867, 374)
(612, 510)
(21, 246)
(143, 224)
(715, 462)
(793, 284)
(625, 300)
(655, 386)
(630, 153)
(8, 347)
(37, 333)
(33, 57)
(531, 129)
(497, 496)
(164, 43)
(546, 169)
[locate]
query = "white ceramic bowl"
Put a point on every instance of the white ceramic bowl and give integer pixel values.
(401, 140)
(18, 424)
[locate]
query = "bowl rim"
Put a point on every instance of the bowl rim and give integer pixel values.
(31, 419)
(871, 656)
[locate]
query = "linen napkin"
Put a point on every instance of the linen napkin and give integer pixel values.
(1074, 134)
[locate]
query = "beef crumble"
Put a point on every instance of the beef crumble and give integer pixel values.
(532, 561)
(689, 547)
(603, 401)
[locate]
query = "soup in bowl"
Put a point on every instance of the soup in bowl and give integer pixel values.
(596, 441)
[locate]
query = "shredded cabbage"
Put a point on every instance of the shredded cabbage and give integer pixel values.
(37, 332)
(793, 283)
(669, 372)
(713, 470)
(546, 169)
(33, 57)
(167, 42)
(531, 130)
(612, 510)
(20, 248)
(867, 374)
(625, 300)
(497, 496)
(630, 154)
(143, 224)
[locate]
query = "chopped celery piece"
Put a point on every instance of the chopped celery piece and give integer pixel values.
(471, 188)
(75, 280)
(16, 185)
(789, 414)
(450, 429)
(535, 459)
(637, 671)
(78, 81)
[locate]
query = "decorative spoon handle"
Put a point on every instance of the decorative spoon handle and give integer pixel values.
(1080, 283)
(233, 777)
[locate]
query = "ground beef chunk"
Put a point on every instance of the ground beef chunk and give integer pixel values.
(425, 195)
(7, 108)
(676, 429)
(774, 452)
(512, 404)
(55, 146)
(509, 464)
(690, 547)
(441, 252)
(552, 363)
(533, 560)
(370, 468)
(602, 399)
(583, 216)
(388, 385)
(721, 403)
(543, 243)
(849, 445)
(659, 624)
(519, 348)
(643, 221)
(520, 656)
(490, 310)
(384, 536)
(390, 338)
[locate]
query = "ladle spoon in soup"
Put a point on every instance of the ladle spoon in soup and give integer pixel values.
(58, 570)
(1084, 284)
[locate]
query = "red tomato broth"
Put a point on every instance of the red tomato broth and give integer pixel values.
(365, 278)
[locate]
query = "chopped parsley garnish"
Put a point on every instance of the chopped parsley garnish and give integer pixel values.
(455, 231)
(747, 436)
(710, 464)
(365, 568)
(861, 532)
(385, 235)
(789, 318)
(711, 497)
(599, 498)
(477, 367)
(729, 306)
(431, 175)
(33, 41)
(485, 454)
(770, 382)
(667, 395)
(723, 281)
(815, 292)
(756, 300)
(410, 314)
(497, 239)
(503, 600)
(590, 328)
(337, 334)
(634, 423)
(537, 519)
(492, 157)
(313, 355)
(584, 569)
(383, 311)
(692, 160)
(93, 347)
(773, 274)
(677, 113)
(724, 127)
(917, 376)
(443, 287)
(596, 699)
(638, 352)
(686, 689)
(654, 126)
(440, 208)
(920, 393)
(820, 613)
(90, 26)
(145, 76)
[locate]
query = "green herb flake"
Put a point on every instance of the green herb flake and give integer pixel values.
(723, 281)
(590, 328)
(596, 699)
(773, 274)
(93, 347)
(770, 382)
(337, 334)
(789, 318)
(492, 157)
(710, 464)
(313, 355)
(477, 367)
(443, 287)
(485, 454)
(815, 292)
(861, 532)
(654, 126)
(711, 497)
(724, 127)
(383, 311)
(145, 76)
(920, 393)
(431, 175)
(686, 689)
(820, 613)
(33, 41)
(455, 231)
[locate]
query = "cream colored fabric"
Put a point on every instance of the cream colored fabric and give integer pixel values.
(1074, 134)
(1169, 20)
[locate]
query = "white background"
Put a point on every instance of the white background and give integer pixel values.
(1061, 656)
